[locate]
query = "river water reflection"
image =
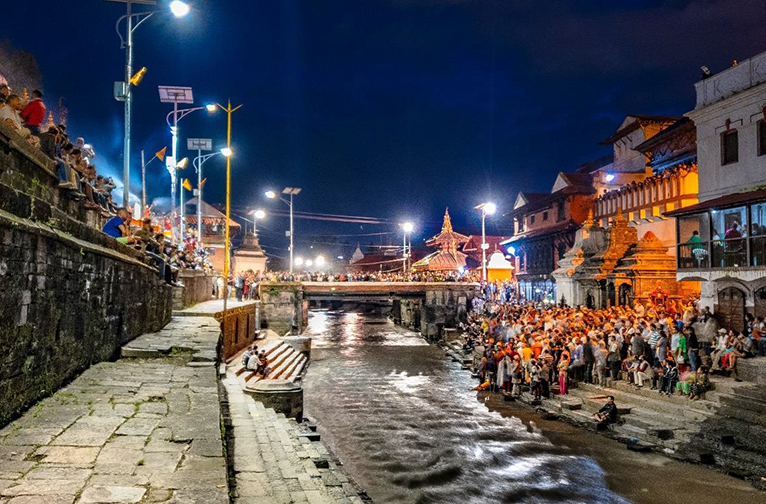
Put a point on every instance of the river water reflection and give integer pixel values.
(409, 428)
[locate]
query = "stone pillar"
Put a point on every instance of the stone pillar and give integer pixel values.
(282, 307)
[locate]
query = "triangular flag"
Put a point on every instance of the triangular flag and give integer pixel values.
(187, 184)
(161, 154)
(202, 184)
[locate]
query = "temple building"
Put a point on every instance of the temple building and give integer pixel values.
(447, 259)
(722, 239)
(249, 256)
(544, 229)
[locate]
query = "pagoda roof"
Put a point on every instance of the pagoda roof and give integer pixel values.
(441, 260)
(447, 234)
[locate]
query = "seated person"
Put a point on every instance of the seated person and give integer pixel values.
(608, 413)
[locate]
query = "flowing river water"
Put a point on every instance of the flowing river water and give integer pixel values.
(409, 428)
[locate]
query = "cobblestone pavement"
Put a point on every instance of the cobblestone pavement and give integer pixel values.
(135, 430)
(278, 461)
(196, 335)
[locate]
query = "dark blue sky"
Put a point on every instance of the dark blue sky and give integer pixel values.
(392, 108)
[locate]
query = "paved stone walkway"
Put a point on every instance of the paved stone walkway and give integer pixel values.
(196, 335)
(135, 430)
(211, 307)
(276, 460)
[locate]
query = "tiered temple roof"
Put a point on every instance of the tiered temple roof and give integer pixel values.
(448, 257)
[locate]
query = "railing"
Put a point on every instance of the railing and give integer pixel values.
(693, 256)
(728, 253)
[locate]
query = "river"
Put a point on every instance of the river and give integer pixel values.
(409, 428)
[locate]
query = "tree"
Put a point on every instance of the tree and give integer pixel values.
(18, 68)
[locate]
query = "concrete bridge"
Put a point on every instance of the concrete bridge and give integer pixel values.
(424, 306)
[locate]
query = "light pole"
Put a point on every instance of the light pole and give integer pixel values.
(486, 209)
(201, 144)
(257, 214)
(228, 153)
(122, 89)
(176, 95)
(407, 228)
(292, 191)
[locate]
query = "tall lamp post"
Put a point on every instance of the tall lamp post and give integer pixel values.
(226, 151)
(407, 228)
(176, 95)
(257, 215)
(486, 209)
(122, 90)
(202, 144)
(160, 154)
(292, 191)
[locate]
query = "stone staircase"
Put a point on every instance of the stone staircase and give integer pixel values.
(725, 429)
(285, 362)
(277, 459)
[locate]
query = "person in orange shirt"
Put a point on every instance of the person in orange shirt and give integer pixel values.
(537, 347)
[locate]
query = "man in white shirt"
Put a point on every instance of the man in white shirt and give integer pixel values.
(9, 114)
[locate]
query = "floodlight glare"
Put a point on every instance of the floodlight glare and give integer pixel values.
(226, 152)
(298, 261)
(179, 8)
(408, 227)
(271, 194)
(490, 208)
(211, 107)
(319, 260)
(259, 214)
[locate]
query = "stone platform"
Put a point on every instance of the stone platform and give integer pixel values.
(135, 430)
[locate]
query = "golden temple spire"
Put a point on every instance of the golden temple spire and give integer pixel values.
(447, 224)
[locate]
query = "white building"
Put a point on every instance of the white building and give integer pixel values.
(722, 239)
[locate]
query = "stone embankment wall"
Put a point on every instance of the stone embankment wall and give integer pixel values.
(70, 296)
(238, 329)
(198, 288)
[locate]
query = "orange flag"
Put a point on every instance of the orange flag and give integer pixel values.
(202, 184)
(187, 185)
(161, 154)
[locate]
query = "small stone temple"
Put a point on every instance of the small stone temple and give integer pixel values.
(448, 258)
(249, 256)
(611, 266)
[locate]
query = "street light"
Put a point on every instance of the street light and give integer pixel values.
(298, 261)
(123, 90)
(486, 209)
(407, 228)
(227, 152)
(257, 214)
(319, 261)
(178, 8)
(202, 144)
(229, 110)
(176, 95)
(292, 191)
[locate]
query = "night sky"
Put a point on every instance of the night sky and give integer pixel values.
(392, 109)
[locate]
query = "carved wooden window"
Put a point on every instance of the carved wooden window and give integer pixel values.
(545, 215)
(729, 147)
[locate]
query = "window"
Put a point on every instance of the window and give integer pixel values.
(729, 233)
(761, 137)
(545, 215)
(758, 234)
(531, 220)
(560, 212)
(562, 249)
(694, 241)
(729, 147)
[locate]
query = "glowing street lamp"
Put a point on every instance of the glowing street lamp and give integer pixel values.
(319, 261)
(123, 90)
(407, 228)
(257, 214)
(178, 8)
(298, 261)
(292, 191)
(487, 208)
(227, 152)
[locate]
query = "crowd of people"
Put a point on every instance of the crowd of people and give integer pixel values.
(671, 349)
(74, 161)
(318, 276)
